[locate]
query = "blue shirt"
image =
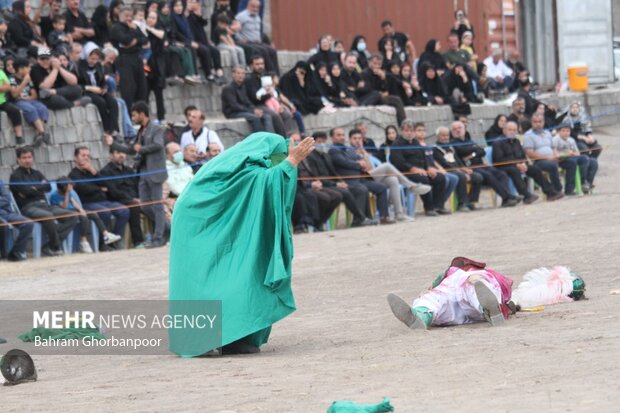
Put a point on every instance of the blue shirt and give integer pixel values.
(56, 198)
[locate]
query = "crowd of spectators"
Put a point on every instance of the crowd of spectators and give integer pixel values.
(114, 60)
(394, 75)
(456, 165)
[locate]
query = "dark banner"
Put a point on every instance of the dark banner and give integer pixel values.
(111, 327)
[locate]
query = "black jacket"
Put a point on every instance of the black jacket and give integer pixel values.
(506, 150)
(326, 57)
(468, 148)
(405, 159)
(21, 33)
(84, 79)
(122, 35)
(443, 154)
(320, 164)
(374, 82)
(87, 191)
(307, 99)
(25, 194)
(196, 25)
(252, 85)
(235, 100)
(123, 190)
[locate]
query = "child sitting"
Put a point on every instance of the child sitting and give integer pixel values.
(65, 197)
(567, 148)
(58, 40)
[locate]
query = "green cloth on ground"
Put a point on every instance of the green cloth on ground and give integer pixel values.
(346, 406)
(61, 334)
(231, 241)
(2, 341)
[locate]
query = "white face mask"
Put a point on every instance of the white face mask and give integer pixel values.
(361, 46)
(321, 147)
(177, 157)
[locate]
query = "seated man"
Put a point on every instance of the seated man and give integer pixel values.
(199, 134)
(65, 197)
(351, 166)
(94, 194)
(179, 173)
(21, 223)
(33, 204)
(236, 104)
(319, 164)
(511, 156)
(124, 189)
(445, 156)
(518, 111)
(474, 156)
(538, 145)
(283, 121)
(376, 79)
(358, 91)
(213, 150)
(190, 156)
(387, 174)
(250, 35)
(56, 86)
(321, 202)
(466, 293)
(369, 143)
(567, 148)
(500, 76)
(411, 160)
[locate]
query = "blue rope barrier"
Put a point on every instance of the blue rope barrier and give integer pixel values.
(451, 144)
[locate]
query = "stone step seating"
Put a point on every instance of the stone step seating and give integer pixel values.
(82, 126)
(68, 128)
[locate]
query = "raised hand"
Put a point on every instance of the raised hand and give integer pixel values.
(298, 153)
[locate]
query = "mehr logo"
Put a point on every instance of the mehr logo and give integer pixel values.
(63, 319)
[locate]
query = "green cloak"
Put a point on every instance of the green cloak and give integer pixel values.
(231, 239)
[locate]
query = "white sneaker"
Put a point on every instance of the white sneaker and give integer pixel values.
(404, 218)
(85, 247)
(420, 189)
(110, 238)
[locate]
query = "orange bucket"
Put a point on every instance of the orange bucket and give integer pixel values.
(578, 77)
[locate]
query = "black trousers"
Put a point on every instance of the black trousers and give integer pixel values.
(209, 57)
(278, 123)
(305, 207)
(475, 181)
(349, 201)
(432, 199)
(360, 194)
(533, 172)
(108, 110)
(159, 99)
(496, 179)
(328, 201)
(132, 80)
(397, 103)
(134, 222)
(372, 98)
(64, 98)
(12, 112)
(56, 229)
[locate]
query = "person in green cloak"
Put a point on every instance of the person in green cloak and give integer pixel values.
(231, 241)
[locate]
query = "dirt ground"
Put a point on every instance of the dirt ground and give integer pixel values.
(344, 343)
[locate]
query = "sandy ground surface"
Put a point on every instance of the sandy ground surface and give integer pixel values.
(343, 342)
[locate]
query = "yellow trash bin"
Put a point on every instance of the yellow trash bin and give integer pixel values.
(578, 77)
